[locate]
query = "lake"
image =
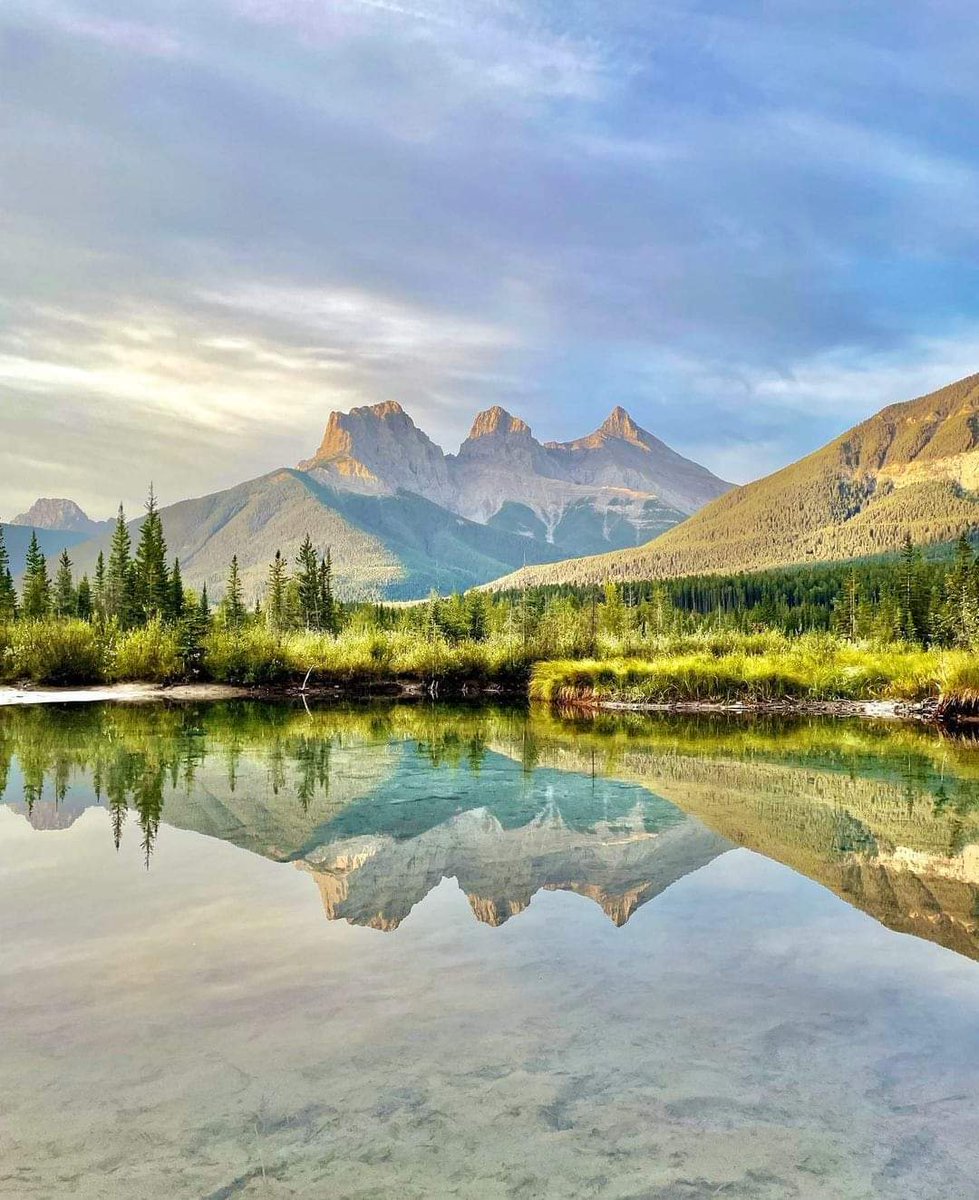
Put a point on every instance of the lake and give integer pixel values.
(252, 950)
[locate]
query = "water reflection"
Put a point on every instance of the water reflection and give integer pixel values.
(379, 805)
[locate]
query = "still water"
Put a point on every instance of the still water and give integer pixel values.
(253, 951)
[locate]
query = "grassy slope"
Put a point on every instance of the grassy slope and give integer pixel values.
(396, 546)
(913, 467)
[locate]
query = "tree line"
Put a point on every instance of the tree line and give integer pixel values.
(931, 601)
(133, 587)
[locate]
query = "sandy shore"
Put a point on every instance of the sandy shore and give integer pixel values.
(128, 693)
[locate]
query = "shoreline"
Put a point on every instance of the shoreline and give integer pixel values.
(149, 693)
(891, 710)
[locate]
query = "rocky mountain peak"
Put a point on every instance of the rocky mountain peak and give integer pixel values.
(496, 421)
(378, 447)
(621, 425)
(59, 514)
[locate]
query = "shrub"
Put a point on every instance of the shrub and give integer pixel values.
(60, 653)
(254, 655)
(150, 654)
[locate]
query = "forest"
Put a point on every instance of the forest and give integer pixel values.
(136, 620)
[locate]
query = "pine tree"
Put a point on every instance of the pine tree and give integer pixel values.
(99, 595)
(8, 593)
(36, 599)
(193, 631)
(65, 599)
(152, 579)
(84, 606)
(233, 605)
(120, 602)
(327, 606)
(477, 619)
(308, 583)
(912, 597)
(175, 599)
(275, 593)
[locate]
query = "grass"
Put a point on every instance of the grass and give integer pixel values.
(709, 666)
(814, 668)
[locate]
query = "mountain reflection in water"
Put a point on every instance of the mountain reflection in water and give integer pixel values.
(381, 804)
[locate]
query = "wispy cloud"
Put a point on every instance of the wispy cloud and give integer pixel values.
(220, 220)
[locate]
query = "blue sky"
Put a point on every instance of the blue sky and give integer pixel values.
(752, 224)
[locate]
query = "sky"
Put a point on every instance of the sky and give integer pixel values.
(751, 224)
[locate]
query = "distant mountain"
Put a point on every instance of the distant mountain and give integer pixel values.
(17, 538)
(611, 489)
(402, 517)
(912, 468)
(59, 514)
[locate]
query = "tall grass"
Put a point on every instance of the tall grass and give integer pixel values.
(257, 656)
(55, 652)
(813, 667)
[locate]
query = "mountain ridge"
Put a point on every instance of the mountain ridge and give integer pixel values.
(912, 468)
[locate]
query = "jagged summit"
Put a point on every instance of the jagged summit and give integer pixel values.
(496, 421)
(616, 487)
(60, 514)
(620, 424)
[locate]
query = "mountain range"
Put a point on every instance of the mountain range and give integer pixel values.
(911, 469)
(402, 517)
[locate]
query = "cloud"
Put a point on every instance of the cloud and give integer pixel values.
(220, 220)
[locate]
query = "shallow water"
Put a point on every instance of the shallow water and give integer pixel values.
(250, 951)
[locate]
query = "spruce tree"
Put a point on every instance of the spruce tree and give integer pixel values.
(175, 598)
(275, 594)
(152, 579)
(912, 597)
(308, 583)
(99, 595)
(327, 605)
(36, 599)
(84, 606)
(120, 602)
(65, 599)
(233, 605)
(194, 628)
(8, 593)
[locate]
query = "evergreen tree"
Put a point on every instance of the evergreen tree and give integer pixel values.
(65, 599)
(120, 601)
(193, 630)
(151, 577)
(847, 607)
(912, 599)
(99, 596)
(308, 584)
(477, 618)
(233, 605)
(176, 600)
(275, 593)
(8, 593)
(84, 606)
(36, 599)
(327, 606)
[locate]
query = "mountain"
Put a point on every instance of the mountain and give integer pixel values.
(63, 515)
(402, 517)
(912, 468)
(377, 880)
(614, 488)
(17, 538)
(396, 545)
